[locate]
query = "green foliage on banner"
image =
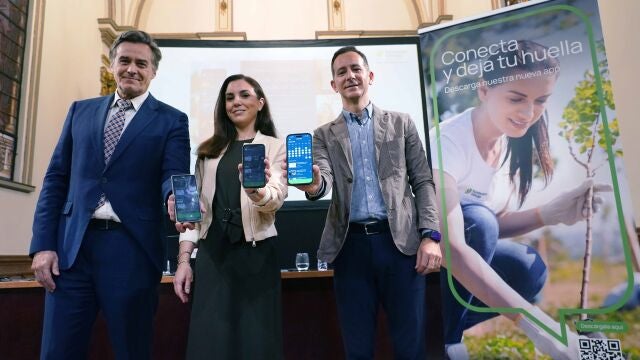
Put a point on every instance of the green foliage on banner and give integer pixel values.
(586, 129)
(506, 346)
(582, 124)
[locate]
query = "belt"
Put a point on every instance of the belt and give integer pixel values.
(104, 224)
(370, 228)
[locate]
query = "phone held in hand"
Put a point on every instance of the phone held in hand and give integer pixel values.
(299, 159)
(253, 166)
(185, 190)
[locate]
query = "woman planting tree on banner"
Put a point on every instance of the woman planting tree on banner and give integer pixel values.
(508, 129)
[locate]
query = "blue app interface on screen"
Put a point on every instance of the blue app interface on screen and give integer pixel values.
(253, 166)
(299, 159)
(185, 191)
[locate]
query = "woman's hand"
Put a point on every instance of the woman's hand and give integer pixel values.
(182, 281)
(256, 194)
(571, 206)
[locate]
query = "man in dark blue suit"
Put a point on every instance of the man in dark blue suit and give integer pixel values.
(97, 234)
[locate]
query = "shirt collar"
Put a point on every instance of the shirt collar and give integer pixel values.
(136, 101)
(367, 114)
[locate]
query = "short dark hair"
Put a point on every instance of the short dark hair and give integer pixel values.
(140, 37)
(347, 49)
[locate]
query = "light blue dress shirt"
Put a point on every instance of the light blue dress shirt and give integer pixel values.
(367, 202)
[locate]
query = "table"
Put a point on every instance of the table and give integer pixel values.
(310, 322)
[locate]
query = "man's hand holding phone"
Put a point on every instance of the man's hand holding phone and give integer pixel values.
(184, 205)
(315, 185)
(298, 164)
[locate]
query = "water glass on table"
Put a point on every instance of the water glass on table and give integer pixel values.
(302, 261)
(322, 265)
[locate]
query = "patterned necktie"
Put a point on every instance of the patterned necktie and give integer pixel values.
(112, 133)
(114, 129)
(355, 118)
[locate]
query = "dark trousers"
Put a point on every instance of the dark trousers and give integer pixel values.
(518, 265)
(369, 271)
(111, 274)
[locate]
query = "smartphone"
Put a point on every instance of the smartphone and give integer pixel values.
(299, 159)
(253, 166)
(185, 190)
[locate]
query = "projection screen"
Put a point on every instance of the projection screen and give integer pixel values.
(295, 76)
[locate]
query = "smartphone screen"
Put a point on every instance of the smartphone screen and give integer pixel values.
(253, 166)
(299, 159)
(185, 191)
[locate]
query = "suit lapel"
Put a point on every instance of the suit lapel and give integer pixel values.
(380, 122)
(141, 119)
(341, 133)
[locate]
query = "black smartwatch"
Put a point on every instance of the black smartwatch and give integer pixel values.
(431, 234)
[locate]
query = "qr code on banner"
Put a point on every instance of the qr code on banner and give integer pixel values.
(600, 349)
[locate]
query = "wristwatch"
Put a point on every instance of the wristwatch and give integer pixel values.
(431, 234)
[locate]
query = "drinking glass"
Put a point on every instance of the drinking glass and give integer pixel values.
(302, 261)
(322, 265)
(167, 271)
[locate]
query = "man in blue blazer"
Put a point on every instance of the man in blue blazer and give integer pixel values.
(98, 227)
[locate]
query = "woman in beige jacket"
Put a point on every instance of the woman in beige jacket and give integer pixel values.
(236, 312)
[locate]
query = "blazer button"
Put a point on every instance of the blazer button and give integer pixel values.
(349, 180)
(103, 180)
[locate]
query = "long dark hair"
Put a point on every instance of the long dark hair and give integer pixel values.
(529, 57)
(224, 131)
